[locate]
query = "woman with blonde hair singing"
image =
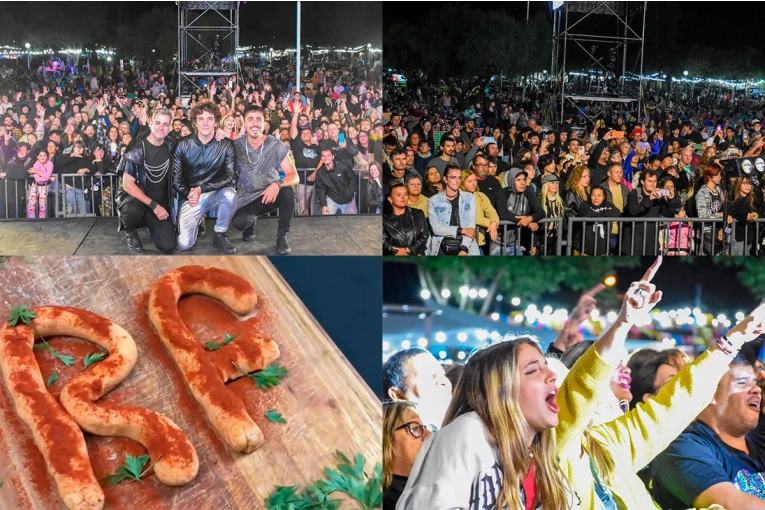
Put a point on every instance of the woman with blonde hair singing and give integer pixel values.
(497, 446)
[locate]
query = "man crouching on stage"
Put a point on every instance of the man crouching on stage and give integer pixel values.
(266, 179)
(146, 196)
(205, 179)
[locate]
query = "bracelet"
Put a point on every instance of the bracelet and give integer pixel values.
(280, 183)
(152, 205)
(726, 346)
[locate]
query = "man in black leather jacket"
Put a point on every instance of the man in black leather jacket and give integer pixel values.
(146, 196)
(205, 179)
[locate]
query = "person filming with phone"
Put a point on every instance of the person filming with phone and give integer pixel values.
(646, 201)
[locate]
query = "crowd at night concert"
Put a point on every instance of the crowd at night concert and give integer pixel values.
(473, 170)
(68, 138)
(582, 425)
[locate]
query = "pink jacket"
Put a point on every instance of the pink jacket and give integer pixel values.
(46, 171)
(679, 239)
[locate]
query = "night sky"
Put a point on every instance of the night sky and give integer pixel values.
(721, 291)
(323, 23)
(718, 24)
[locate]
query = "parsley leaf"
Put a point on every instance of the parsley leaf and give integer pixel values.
(275, 416)
(21, 313)
(1, 483)
(53, 378)
(213, 346)
(349, 478)
(93, 358)
(132, 470)
(45, 346)
(269, 376)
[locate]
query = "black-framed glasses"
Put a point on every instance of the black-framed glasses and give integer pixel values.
(416, 429)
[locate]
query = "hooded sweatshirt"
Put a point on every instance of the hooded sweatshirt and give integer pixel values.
(512, 204)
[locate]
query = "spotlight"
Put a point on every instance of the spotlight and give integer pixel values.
(753, 167)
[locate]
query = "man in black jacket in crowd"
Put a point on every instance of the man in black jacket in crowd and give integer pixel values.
(205, 179)
(336, 184)
(12, 183)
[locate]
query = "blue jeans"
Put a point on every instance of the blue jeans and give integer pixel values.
(349, 208)
(222, 201)
(75, 202)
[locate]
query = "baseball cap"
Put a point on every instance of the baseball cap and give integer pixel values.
(550, 178)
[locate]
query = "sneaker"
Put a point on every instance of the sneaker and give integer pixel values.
(202, 227)
(282, 246)
(221, 242)
(249, 233)
(133, 241)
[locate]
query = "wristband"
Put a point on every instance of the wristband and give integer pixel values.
(152, 205)
(280, 183)
(726, 346)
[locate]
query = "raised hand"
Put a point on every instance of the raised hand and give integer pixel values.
(18, 96)
(642, 296)
(748, 329)
(58, 90)
(45, 90)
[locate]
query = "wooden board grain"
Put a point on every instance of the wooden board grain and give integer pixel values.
(327, 405)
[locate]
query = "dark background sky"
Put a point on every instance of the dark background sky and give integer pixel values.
(727, 25)
(721, 291)
(331, 23)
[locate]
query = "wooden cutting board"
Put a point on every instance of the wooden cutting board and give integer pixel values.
(327, 405)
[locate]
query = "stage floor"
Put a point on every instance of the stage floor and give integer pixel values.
(319, 235)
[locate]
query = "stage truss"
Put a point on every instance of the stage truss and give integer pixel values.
(630, 22)
(198, 24)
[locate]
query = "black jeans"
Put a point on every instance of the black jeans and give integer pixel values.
(135, 215)
(285, 202)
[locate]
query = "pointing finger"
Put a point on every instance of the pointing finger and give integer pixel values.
(595, 290)
(648, 276)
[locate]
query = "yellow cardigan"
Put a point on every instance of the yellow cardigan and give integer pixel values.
(421, 204)
(484, 214)
(635, 438)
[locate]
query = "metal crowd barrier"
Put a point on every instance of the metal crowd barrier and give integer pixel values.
(86, 196)
(651, 236)
(67, 196)
(547, 240)
(315, 208)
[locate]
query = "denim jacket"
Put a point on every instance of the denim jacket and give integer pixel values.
(439, 214)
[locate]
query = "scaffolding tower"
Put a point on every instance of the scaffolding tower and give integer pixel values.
(208, 43)
(574, 22)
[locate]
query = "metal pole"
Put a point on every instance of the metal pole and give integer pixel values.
(180, 56)
(297, 50)
(563, 68)
(528, 7)
(642, 53)
(27, 59)
(624, 50)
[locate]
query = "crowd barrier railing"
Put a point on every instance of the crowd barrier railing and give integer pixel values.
(546, 240)
(86, 195)
(669, 236)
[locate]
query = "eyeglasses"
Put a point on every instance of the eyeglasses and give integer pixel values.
(415, 429)
(480, 165)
